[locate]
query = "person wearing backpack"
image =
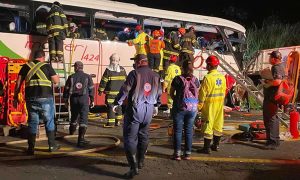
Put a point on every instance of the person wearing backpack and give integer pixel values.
(270, 106)
(184, 92)
(211, 105)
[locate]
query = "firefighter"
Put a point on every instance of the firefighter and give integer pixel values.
(142, 89)
(79, 93)
(41, 28)
(172, 47)
(38, 76)
(112, 79)
(270, 107)
(73, 31)
(211, 104)
(172, 71)
(141, 42)
(57, 27)
(155, 46)
(99, 33)
(188, 42)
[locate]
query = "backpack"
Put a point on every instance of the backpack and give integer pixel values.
(190, 94)
(284, 93)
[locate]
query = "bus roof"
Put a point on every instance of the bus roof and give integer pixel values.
(134, 9)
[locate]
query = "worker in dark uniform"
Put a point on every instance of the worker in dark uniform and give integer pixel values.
(79, 89)
(112, 79)
(142, 88)
(73, 31)
(38, 77)
(188, 42)
(99, 33)
(57, 26)
(41, 28)
(172, 47)
(270, 107)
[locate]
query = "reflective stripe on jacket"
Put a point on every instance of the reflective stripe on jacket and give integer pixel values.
(35, 69)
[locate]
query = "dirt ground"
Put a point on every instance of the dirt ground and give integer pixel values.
(236, 160)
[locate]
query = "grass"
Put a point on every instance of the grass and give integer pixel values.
(272, 34)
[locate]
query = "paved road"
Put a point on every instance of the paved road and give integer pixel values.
(236, 160)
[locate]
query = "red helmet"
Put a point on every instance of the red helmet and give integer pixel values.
(173, 58)
(212, 60)
(181, 31)
(138, 27)
(156, 33)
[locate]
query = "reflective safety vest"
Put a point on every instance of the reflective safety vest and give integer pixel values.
(35, 69)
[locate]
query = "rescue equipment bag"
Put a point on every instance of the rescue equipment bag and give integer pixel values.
(190, 94)
(284, 93)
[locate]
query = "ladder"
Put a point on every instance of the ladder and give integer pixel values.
(246, 83)
(62, 113)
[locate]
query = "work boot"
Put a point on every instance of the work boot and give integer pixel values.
(215, 145)
(51, 142)
(81, 140)
(133, 171)
(72, 129)
(206, 147)
(31, 144)
(140, 159)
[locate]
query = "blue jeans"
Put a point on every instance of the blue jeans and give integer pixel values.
(183, 119)
(40, 108)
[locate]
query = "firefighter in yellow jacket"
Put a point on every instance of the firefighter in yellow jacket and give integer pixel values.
(57, 26)
(141, 42)
(113, 78)
(172, 71)
(211, 104)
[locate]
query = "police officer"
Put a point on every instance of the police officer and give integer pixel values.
(112, 79)
(57, 26)
(38, 76)
(142, 89)
(79, 89)
(211, 104)
(270, 107)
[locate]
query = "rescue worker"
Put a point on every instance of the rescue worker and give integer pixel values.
(270, 107)
(172, 47)
(172, 71)
(57, 27)
(112, 79)
(188, 42)
(99, 33)
(41, 28)
(82, 31)
(38, 77)
(211, 104)
(141, 42)
(143, 90)
(79, 93)
(155, 46)
(73, 31)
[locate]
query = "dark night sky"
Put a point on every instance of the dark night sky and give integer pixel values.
(241, 11)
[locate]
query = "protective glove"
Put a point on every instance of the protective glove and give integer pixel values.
(155, 111)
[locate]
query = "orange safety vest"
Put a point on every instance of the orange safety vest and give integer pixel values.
(156, 45)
